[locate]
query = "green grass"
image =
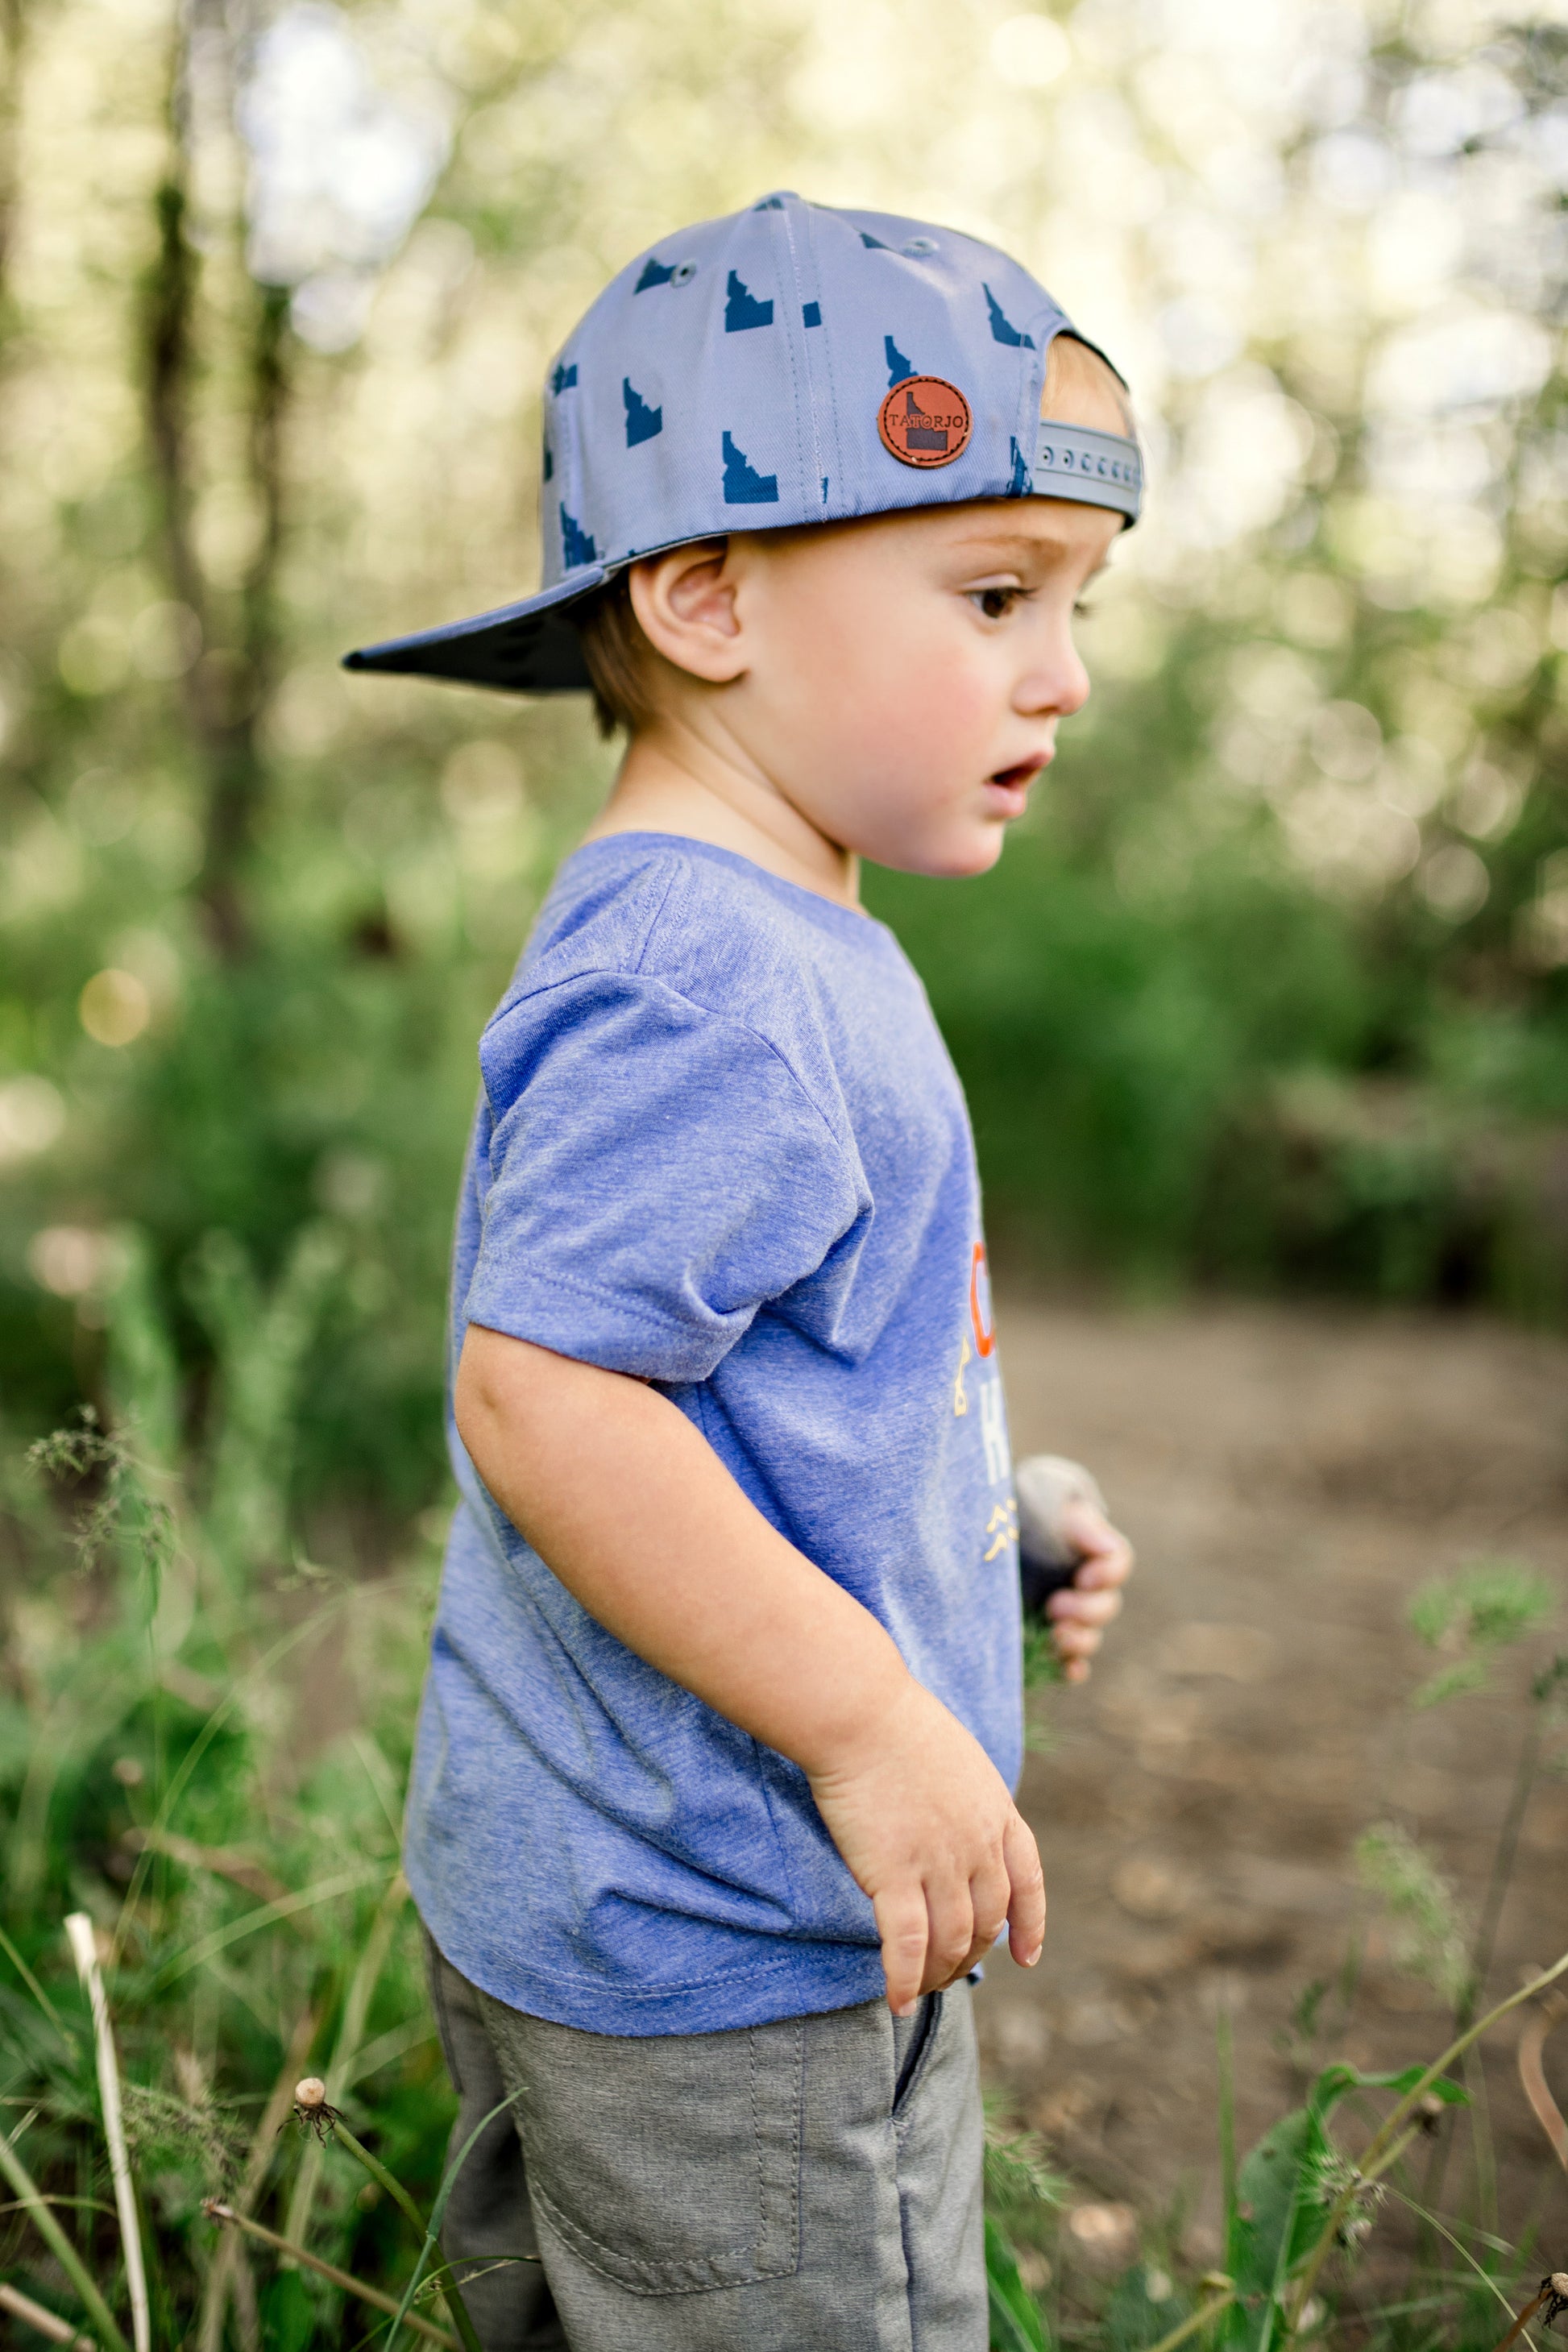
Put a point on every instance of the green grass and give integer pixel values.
(203, 1746)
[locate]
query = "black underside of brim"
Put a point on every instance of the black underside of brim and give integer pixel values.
(534, 652)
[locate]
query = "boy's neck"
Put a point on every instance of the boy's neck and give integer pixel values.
(672, 779)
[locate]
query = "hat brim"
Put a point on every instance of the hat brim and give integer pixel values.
(527, 649)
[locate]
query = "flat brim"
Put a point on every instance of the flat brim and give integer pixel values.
(527, 649)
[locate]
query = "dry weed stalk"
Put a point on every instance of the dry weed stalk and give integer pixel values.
(31, 2198)
(1553, 2295)
(84, 1951)
(43, 2322)
(217, 2211)
(1532, 2075)
(223, 2276)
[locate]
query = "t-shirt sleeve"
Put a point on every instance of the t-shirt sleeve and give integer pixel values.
(656, 1173)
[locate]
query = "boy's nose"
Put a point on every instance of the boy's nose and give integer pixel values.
(1057, 681)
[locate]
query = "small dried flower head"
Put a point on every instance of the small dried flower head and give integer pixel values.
(127, 1771)
(1555, 2290)
(311, 2109)
(1430, 2112)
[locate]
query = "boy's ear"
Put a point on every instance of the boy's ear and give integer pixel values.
(685, 605)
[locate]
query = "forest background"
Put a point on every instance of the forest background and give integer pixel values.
(1269, 993)
(1272, 988)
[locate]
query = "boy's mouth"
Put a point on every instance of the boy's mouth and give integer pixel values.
(1018, 777)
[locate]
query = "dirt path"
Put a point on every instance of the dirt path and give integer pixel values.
(1289, 1479)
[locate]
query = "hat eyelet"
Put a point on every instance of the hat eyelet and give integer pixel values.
(683, 273)
(919, 245)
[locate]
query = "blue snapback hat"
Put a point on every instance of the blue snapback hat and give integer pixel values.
(787, 364)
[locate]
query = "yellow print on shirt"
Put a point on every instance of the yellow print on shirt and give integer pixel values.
(1003, 1524)
(959, 1400)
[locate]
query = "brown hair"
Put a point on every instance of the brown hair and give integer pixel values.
(617, 657)
(1081, 388)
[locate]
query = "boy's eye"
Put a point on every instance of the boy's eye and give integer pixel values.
(996, 602)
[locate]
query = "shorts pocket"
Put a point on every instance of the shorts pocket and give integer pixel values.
(668, 2163)
(917, 2058)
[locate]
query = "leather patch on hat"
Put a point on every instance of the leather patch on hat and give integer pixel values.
(925, 421)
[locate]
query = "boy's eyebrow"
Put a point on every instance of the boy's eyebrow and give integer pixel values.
(1030, 546)
(1027, 541)
(991, 536)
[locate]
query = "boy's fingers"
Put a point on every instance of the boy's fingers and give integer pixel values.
(990, 1892)
(1107, 1555)
(1103, 1571)
(1079, 1613)
(970, 1961)
(951, 1918)
(1084, 1608)
(1027, 1912)
(902, 1925)
(1076, 1641)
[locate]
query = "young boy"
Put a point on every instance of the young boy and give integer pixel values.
(710, 1817)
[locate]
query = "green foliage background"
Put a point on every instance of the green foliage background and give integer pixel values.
(1270, 989)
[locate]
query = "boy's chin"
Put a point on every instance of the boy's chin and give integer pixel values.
(953, 857)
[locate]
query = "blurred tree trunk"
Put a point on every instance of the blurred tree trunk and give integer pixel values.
(227, 690)
(239, 684)
(12, 32)
(168, 328)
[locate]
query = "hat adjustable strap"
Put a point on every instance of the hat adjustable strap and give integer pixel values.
(1097, 470)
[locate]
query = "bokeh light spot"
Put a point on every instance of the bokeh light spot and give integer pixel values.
(1032, 51)
(31, 1116)
(115, 1007)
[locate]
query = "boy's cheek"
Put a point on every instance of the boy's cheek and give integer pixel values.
(942, 714)
(895, 736)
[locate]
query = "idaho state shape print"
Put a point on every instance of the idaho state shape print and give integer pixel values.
(925, 421)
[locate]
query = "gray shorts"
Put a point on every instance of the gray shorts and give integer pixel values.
(807, 2186)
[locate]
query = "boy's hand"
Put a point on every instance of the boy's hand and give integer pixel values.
(1080, 1612)
(926, 1825)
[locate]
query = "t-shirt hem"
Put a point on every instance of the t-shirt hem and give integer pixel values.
(803, 1980)
(548, 1311)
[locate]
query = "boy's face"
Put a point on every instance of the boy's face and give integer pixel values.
(903, 677)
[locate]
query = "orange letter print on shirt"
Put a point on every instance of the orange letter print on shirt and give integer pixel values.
(980, 1311)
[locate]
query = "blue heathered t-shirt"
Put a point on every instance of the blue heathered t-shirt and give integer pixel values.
(719, 1145)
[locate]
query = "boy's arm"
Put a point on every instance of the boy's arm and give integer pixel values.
(633, 1510)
